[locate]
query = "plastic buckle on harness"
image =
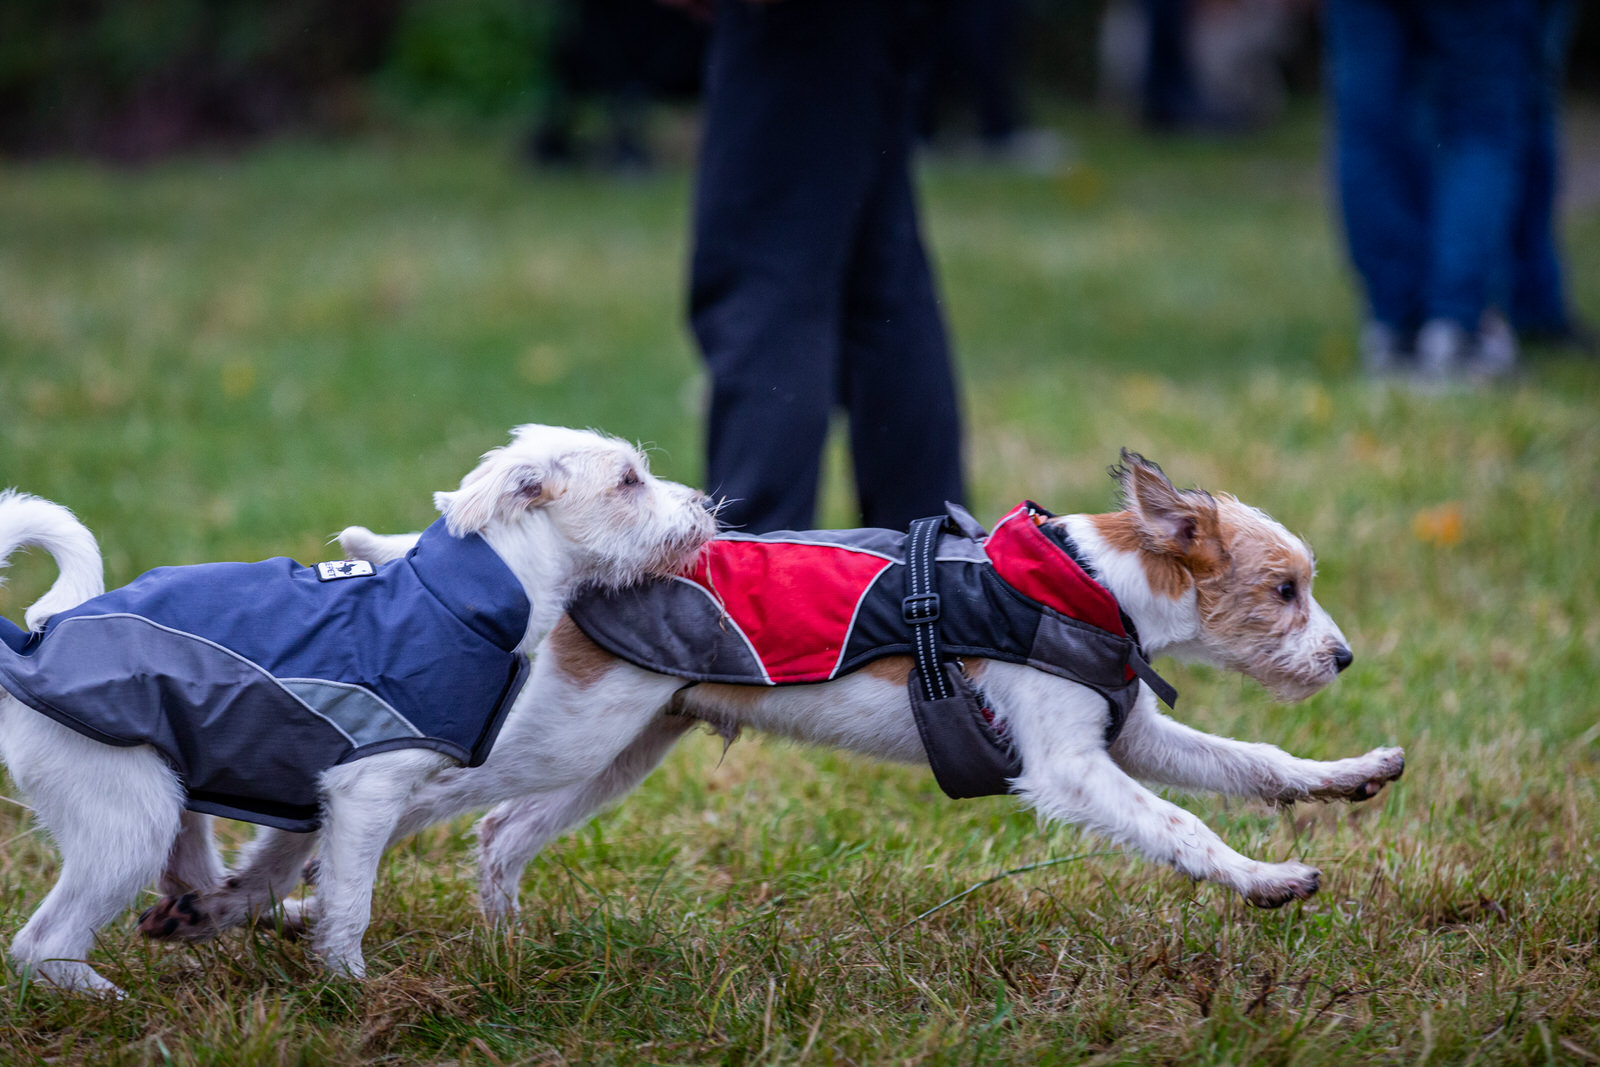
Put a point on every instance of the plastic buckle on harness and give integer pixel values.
(920, 608)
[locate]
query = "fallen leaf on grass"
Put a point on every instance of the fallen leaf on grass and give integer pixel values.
(1441, 526)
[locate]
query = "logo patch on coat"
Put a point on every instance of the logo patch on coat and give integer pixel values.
(345, 568)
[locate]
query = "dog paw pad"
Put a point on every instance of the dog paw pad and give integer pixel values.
(1276, 894)
(174, 919)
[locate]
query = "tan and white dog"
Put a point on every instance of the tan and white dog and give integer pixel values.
(561, 509)
(1203, 578)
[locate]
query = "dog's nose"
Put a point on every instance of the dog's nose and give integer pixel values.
(1343, 657)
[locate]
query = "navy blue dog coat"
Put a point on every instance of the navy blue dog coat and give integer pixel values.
(254, 678)
(794, 608)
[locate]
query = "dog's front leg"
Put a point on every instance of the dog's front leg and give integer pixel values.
(1068, 775)
(1156, 748)
(362, 803)
(194, 862)
(1088, 790)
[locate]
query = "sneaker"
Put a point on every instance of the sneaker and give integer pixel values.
(1030, 151)
(1444, 349)
(1496, 355)
(1383, 350)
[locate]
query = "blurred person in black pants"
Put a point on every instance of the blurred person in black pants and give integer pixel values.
(1170, 95)
(972, 56)
(622, 54)
(810, 289)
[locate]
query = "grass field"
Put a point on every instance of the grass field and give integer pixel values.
(231, 358)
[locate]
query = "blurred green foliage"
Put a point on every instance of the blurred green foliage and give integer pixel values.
(133, 80)
(484, 57)
(130, 79)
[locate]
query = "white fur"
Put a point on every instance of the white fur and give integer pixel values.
(562, 508)
(42, 524)
(593, 738)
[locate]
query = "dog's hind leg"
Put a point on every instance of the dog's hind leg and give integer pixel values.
(113, 816)
(1156, 748)
(514, 832)
(194, 862)
(267, 871)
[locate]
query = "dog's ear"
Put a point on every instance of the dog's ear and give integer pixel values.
(502, 486)
(1171, 521)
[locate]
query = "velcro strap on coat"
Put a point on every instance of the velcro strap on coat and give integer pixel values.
(1147, 674)
(921, 609)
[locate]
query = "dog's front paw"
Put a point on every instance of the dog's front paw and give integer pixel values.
(343, 963)
(1366, 776)
(177, 918)
(1279, 883)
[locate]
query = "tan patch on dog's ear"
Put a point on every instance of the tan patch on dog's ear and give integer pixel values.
(576, 656)
(1177, 532)
(1166, 574)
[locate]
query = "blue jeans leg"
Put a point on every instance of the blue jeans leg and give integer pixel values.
(1538, 288)
(1478, 67)
(1373, 71)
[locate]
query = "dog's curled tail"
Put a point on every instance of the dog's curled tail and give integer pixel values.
(31, 521)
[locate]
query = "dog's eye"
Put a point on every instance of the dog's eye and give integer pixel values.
(631, 478)
(1286, 591)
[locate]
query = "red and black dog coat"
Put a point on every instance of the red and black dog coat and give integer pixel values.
(798, 608)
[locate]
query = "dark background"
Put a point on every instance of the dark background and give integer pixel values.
(130, 80)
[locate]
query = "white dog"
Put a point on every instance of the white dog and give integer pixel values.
(298, 696)
(1204, 578)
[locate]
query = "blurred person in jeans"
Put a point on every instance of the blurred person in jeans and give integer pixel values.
(810, 289)
(1430, 127)
(1539, 308)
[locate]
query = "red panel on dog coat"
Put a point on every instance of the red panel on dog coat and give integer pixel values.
(794, 602)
